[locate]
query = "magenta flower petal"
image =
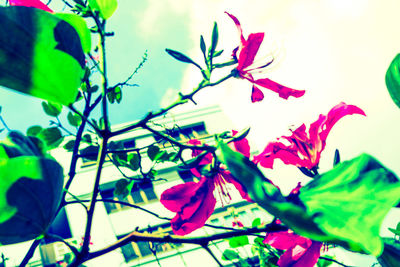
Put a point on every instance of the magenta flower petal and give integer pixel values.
(178, 196)
(239, 27)
(283, 91)
(242, 146)
(30, 3)
(304, 149)
(194, 213)
(310, 256)
(249, 50)
(256, 94)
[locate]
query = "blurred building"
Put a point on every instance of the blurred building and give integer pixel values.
(113, 221)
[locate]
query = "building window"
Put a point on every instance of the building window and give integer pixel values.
(195, 131)
(135, 250)
(141, 193)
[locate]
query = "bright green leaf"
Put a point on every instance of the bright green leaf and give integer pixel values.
(120, 159)
(392, 79)
(74, 119)
(238, 241)
(50, 60)
(81, 28)
(106, 8)
(256, 222)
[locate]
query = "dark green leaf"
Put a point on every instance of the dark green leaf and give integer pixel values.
(336, 159)
(306, 172)
(92, 89)
(1, 109)
(152, 173)
(396, 231)
(152, 151)
(47, 66)
(69, 146)
(202, 45)
(392, 80)
(74, 119)
(52, 136)
(181, 57)
(120, 159)
(241, 135)
(134, 161)
(218, 53)
(34, 130)
(52, 109)
(121, 190)
(87, 138)
(230, 255)
(238, 241)
(256, 222)
(214, 40)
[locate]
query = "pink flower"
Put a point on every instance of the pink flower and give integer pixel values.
(245, 55)
(30, 3)
(304, 149)
(194, 202)
(300, 251)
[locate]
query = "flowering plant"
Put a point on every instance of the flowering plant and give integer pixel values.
(49, 55)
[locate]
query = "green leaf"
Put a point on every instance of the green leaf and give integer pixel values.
(350, 202)
(121, 189)
(336, 159)
(238, 241)
(256, 222)
(52, 137)
(152, 151)
(229, 255)
(214, 40)
(34, 130)
(81, 28)
(392, 80)
(120, 159)
(344, 206)
(52, 109)
(69, 146)
(218, 53)
(115, 94)
(134, 161)
(41, 54)
(106, 8)
(324, 262)
(92, 89)
(395, 231)
(180, 57)
(202, 45)
(87, 138)
(74, 119)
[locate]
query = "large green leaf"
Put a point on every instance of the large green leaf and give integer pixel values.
(40, 54)
(392, 80)
(106, 8)
(345, 206)
(30, 189)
